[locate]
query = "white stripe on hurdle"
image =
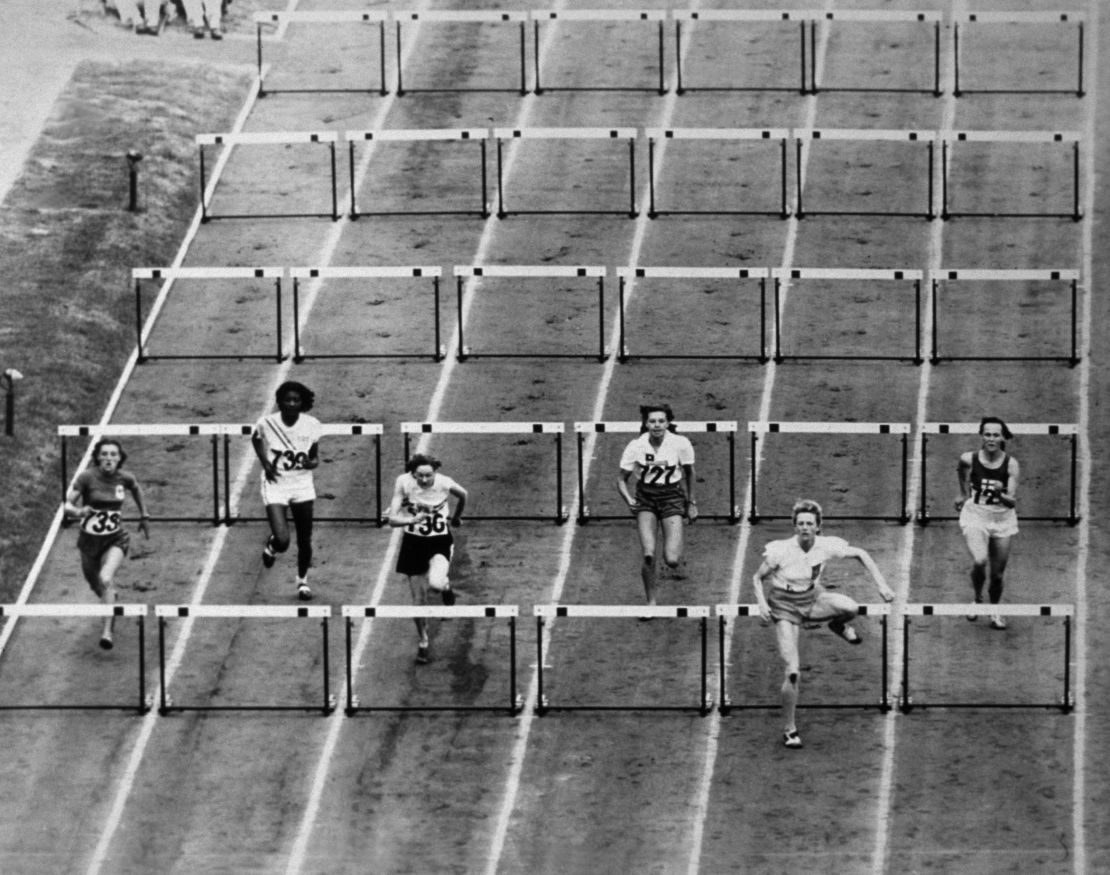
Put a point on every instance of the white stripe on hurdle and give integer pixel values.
(882, 15)
(842, 273)
(205, 273)
(276, 138)
(1046, 17)
(634, 426)
(962, 610)
(745, 14)
(829, 427)
(398, 272)
(713, 273)
(482, 428)
(1027, 428)
(240, 429)
(140, 430)
(598, 15)
(338, 16)
(618, 611)
(492, 16)
(429, 611)
(1008, 274)
(536, 270)
(717, 133)
(417, 135)
(564, 133)
(259, 612)
(1013, 136)
(894, 135)
(76, 610)
(880, 609)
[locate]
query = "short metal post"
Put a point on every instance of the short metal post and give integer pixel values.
(133, 159)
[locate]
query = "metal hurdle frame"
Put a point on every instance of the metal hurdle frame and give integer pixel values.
(630, 134)
(659, 16)
(328, 429)
(241, 612)
(334, 17)
(546, 613)
(1068, 276)
(539, 271)
(866, 428)
(427, 612)
(863, 135)
(420, 135)
(460, 16)
(1072, 137)
(328, 138)
(210, 430)
(1065, 704)
(1068, 430)
(784, 274)
(1016, 18)
(724, 612)
(734, 134)
(625, 274)
(138, 274)
(303, 273)
(741, 15)
(408, 429)
(142, 706)
(876, 15)
(633, 427)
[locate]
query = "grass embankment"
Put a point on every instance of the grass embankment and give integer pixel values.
(68, 243)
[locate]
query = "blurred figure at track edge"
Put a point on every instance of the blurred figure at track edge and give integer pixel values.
(796, 597)
(287, 445)
(95, 501)
(202, 14)
(988, 479)
(421, 505)
(144, 16)
(661, 462)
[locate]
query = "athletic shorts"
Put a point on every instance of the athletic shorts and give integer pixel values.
(663, 501)
(415, 555)
(793, 607)
(288, 491)
(95, 546)
(989, 523)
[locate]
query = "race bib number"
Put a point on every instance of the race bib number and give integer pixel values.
(990, 492)
(435, 523)
(102, 522)
(659, 475)
(287, 460)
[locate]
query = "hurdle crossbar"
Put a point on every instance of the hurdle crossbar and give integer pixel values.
(629, 134)
(804, 136)
(279, 138)
(742, 16)
(431, 612)
(1039, 18)
(556, 429)
(1028, 137)
(784, 276)
(657, 17)
(300, 274)
(548, 613)
(327, 429)
(728, 134)
(629, 275)
(148, 430)
(1065, 430)
(881, 16)
(422, 135)
(353, 16)
(727, 612)
(1065, 703)
(902, 429)
(685, 427)
(138, 611)
(138, 274)
(467, 273)
(463, 16)
(1067, 276)
(165, 613)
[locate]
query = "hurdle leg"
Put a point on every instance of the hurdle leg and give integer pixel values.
(351, 169)
(937, 92)
(679, 90)
(141, 357)
(164, 705)
(884, 702)
(437, 354)
(215, 479)
(204, 217)
(334, 186)
(632, 213)
(460, 354)
(523, 59)
(930, 213)
(383, 91)
(350, 710)
(784, 213)
(581, 484)
(956, 60)
(1066, 705)
(514, 705)
(601, 356)
(280, 352)
(907, 705)
(485, 186)
(143, 704)
(705, 705)
(298, 355)
(802, 89)
(652, 213)
(501, 214)
(541, 698)
(328, 705)
(799, 209)
(560, 516)
(723, 704)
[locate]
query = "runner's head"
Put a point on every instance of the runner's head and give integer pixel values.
(302, 403)
(108, 455)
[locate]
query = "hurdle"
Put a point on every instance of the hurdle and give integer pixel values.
(541, 271)
(741, 16)
(727, 703)
(1071, 277)
(880, 16)
(327, 429)
(626, 275)
(866, 275)
(408, 429)
(902, 429)
(1039, 19)
(812, 135)
(164, 613)
(460, 16)
(209, 430)
(421, 135)
(366, 273)
(685, 427)
(651, 16)
(138, 274)
(629, 134)
(430, 612)
(1068, 431)
(1019, 137)
(275, 138)
(1065, 703)
(723, 134)
(139, 612)
(353, 17)
(548, 613)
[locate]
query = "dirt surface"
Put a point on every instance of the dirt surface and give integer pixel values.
(936, 790)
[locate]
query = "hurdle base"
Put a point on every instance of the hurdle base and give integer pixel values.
(906, 706)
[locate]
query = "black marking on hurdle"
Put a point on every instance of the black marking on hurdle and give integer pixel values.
(659, 88)
(522, 89)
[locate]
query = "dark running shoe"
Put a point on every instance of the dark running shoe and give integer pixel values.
(422, 656)
(791, 739)
(848, 633)
(448, 596)
(268, 555)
